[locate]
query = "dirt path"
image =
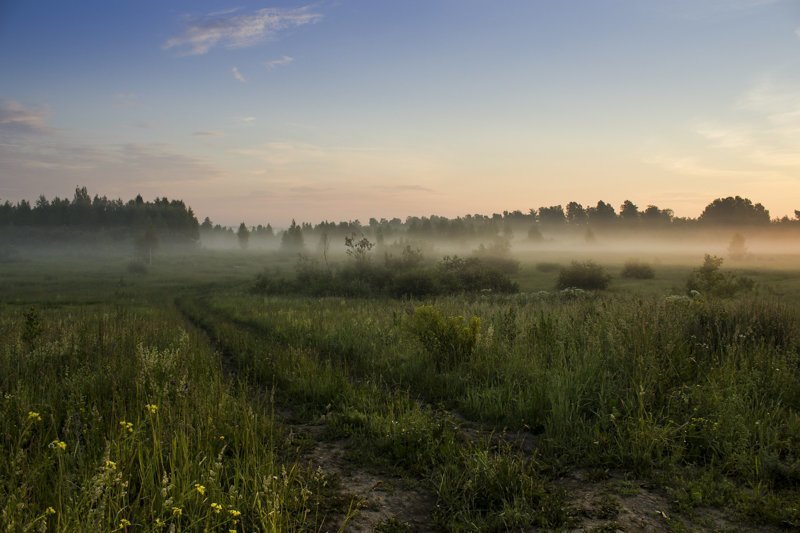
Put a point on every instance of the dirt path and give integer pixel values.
(380, 500)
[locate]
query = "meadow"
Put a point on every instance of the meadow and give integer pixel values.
(179, 399)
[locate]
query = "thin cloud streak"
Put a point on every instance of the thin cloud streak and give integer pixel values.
(238, 75)
(207, 133)
(233, 30)
(17, 119)
(280, 62)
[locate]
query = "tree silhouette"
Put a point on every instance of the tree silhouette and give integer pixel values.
(243, 234)
(292, 238)
(734, 211)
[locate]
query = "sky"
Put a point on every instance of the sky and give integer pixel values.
(349, 109)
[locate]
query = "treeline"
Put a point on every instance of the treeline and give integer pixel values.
(84, 213)
(173, 218)
(731, 212)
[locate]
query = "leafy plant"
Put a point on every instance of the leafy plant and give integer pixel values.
(449, 340)
(586, 275)
(637, 270)
(709, 279)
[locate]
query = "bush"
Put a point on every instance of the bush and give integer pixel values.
(365, 279)
(709, 280)
(414, 284)
(449, 340)
(586, 275)
(637, 270)
(473, 275)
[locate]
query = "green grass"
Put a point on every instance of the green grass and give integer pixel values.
(700, 397)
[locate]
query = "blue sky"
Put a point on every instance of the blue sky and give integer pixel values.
(265, 111)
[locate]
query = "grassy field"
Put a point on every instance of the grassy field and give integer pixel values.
(179, 399)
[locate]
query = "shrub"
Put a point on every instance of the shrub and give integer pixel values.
(414, 283)
(449, 340)
(586, 275)
(637, 270)
(708, 279)
(473, 275)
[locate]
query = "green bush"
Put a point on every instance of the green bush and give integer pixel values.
(637, 270)
(586, 275)
(449, 340)
(709, 280)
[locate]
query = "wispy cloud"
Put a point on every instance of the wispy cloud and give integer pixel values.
(208, 133)
(280, 62)
(248, 120)
(126, 99)
(238, 75)
(759, 139)
(232, 29)
(17, 119)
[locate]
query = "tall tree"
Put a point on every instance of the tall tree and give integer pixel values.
(243, 234)
(735, 211)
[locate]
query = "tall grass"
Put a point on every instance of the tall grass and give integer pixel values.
(668, 388)
(119, 419)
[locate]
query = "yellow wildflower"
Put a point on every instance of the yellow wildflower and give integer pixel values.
(126, 426)
(216, 507)
(153, 408)
(49, 511)
(110, 465)
(201, 489)
(34, 416)
(124, 523)
(159, 522)
(234, 513)
(60, 444)
(177, 511)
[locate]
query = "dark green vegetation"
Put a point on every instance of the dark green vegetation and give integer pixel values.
(637, 270)
(485, 403)
(407, 276)
(586, 275)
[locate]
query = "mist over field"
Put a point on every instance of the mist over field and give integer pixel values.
(422, 265)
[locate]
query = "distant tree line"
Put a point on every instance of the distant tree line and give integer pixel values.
(85, 213)
(174, 217)
(733, 211)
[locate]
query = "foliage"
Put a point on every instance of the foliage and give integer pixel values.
(140, 430)
(358, 249)
(637, 270)
(733, 211)
(403, 277)
(243, 234)
(84, 212)
(583, 275)
(448, 339)
(292, 239)
(708, 279)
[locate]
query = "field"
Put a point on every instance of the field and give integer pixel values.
(179, 399)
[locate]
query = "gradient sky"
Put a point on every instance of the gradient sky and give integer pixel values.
(267, 111)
